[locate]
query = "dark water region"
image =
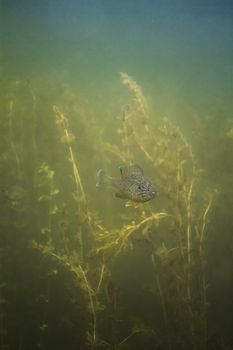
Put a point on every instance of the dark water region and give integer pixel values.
(89, 85)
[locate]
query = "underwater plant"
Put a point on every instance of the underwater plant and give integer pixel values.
(81, 236)
(184, 286)
(178, 259)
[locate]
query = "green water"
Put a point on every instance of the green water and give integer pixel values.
(79, 267)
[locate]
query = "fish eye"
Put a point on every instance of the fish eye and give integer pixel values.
(139, 187)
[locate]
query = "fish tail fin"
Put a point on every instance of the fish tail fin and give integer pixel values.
(103, 179)
(100, 176)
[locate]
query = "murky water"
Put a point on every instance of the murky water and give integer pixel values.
(101, 84)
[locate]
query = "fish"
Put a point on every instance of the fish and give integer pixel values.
(14, 193)
(131, 184)
(16, 197)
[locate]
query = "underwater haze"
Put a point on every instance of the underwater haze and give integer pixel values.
(136, 97)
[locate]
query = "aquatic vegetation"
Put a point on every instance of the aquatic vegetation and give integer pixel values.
(69, 138)
(185, 232)
(80, 237)
(136, 91)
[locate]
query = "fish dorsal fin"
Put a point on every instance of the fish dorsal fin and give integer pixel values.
(131, 170)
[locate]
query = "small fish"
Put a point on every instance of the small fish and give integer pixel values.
(14, 193)
(132, 184)
(16, 197)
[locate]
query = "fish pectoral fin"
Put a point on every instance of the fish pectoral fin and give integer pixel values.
(120, 195)
(132, 204)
